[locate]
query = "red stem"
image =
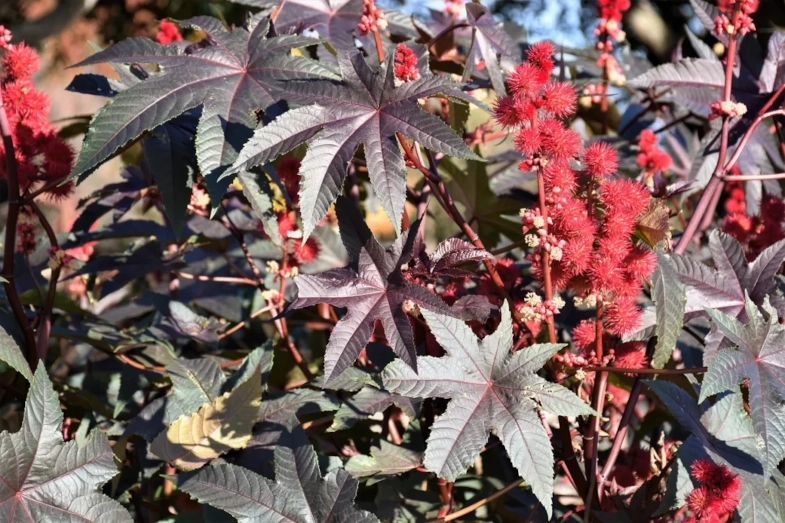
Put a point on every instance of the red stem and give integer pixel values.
(9, 249)
(715, 183)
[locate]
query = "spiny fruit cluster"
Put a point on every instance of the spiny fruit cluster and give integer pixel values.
(584, 228)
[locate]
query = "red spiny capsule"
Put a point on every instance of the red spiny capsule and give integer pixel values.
(541, 55)
(559, 99)
(600, 159)
(622, 317)
(20, 62)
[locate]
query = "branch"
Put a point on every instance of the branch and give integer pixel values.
(45, 323)
(752, 177)
(484, 501)
(444, 197)
(656, 372)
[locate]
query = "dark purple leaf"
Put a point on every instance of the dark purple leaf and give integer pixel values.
(232, 77)
(473, 307)
(490, 45)
(372, 288)
(723, 288)
(365, 108)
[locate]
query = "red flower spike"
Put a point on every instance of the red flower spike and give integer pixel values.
(718, 494)
(640, 263)
(584, 334)
(289, 173)
(505, 112)
(631, 355)
(600, 159)
(168, 32)
(61, 192)
(306, 252)
(5, 38)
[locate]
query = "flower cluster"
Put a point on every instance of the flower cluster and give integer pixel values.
(41, 155)
(717, 496)
(757, 232)
(168, 32)
(726, 109)
(373, 18)
(651, 158)
(734, 17)
(586, 231)
(536, 310)
(406, 69)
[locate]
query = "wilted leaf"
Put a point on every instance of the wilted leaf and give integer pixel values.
(43, 478)
(385, 460)
(653, 226)
(222, 425)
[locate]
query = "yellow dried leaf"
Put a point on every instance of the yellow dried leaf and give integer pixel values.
(654, 224)
(217, 427)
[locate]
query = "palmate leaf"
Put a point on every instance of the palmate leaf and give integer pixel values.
(298, 494)
(365, 108)
(490, 44)
(217, 427)
(43, 478)
(670, 299)
(490, 389)
(759, 356)
(723, 433)
(446, 258)
(372, 288)
(10, 352)
(231, 78)
(723, 287)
